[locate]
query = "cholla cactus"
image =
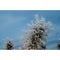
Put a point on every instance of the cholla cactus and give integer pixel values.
(58, 45)
(35, 37)
(9, 45)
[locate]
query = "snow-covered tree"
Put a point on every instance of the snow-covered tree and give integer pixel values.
(35, 36)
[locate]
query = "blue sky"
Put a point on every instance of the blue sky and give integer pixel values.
(14, 21)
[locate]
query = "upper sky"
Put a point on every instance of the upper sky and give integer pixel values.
(13, 22)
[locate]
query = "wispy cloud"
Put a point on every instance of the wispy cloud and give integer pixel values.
(10, 20)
